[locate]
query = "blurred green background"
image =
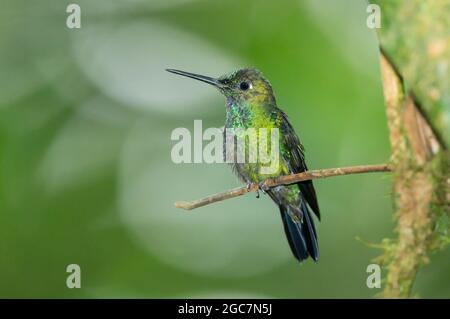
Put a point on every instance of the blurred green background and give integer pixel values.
(85, 170)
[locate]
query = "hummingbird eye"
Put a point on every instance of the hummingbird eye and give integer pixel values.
(244, 86)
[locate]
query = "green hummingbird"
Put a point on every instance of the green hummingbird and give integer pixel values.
(250, 103)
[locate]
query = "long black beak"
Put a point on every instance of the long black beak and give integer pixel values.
(199, 77)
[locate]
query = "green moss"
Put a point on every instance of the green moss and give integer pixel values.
(415, 36)
(439, 172)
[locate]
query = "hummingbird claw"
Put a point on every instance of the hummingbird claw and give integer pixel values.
(263, 187)
(257, 193)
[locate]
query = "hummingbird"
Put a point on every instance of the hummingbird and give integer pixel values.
(251, 103)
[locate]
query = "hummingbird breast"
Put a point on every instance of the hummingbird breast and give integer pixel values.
(244, 128)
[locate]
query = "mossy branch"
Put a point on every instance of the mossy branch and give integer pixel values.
(415, 148)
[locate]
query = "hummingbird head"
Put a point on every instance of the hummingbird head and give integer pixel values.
(244, 85)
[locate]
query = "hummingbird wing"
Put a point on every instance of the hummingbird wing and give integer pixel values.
(294, 156)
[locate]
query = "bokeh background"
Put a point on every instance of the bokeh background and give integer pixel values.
(85, 170)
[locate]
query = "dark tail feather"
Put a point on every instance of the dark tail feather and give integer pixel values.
(310, 232)
(301, 236)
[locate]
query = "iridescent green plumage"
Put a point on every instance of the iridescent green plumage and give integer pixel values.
(250, 103)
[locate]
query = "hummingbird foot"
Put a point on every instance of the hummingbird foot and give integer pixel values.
(249, 186)
(263, 187)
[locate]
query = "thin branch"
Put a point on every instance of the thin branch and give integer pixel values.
(283, 180)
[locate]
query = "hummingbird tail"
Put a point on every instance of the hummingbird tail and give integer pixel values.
(301, 235)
